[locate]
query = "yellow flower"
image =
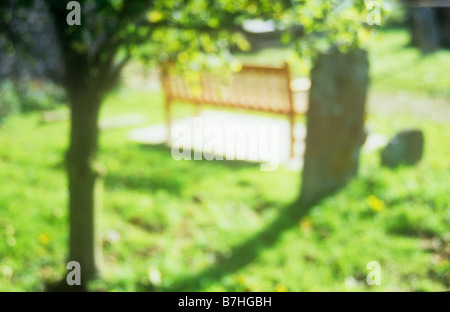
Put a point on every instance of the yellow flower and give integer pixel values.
(154, 16)
(306, 225)
(241, 279)
(375, 203)
(281, 288)
(43, 239)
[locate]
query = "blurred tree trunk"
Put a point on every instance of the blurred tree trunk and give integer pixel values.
(335, 123)
(90, 72)
(83, 175)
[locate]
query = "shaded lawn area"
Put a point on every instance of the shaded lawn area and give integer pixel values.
(222, 225)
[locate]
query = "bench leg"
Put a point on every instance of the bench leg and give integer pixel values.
(292, 124)
(197, 109)
(168, 121)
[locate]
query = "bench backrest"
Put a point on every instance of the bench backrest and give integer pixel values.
(253, 87)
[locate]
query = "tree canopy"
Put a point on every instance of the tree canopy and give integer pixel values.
(112, 31)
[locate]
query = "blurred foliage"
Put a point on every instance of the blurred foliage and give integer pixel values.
(342, 23)
(39, 95)
(28, 95)
(199, 33)
(9, 103)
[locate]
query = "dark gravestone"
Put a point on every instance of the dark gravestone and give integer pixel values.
(405, 148)
(425, 30)
(335, 126)
(443, 19)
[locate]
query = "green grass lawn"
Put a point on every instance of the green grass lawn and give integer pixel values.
(211, 226)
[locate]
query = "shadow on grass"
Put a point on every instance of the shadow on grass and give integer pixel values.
(143, 182)
(167, 173)
(246, 252)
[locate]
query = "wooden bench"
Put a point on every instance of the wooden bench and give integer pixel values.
(265, 89)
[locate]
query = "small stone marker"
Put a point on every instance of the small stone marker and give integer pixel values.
(405, 148)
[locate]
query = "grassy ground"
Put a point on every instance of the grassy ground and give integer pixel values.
(398, 67)
(202, 225)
